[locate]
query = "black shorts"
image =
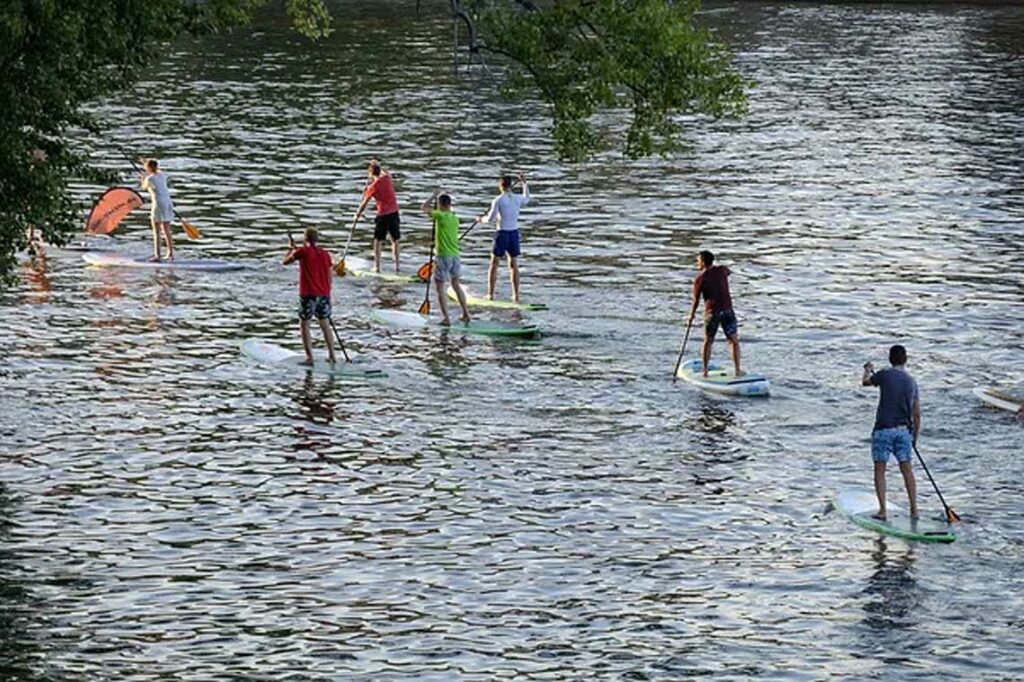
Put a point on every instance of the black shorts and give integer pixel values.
(383, 225)
(314, 306)
(727, 319)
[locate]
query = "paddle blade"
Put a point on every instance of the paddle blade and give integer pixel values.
(339, 267)
(951, 515)
(425, 307)
(190, 230)
(425, 271)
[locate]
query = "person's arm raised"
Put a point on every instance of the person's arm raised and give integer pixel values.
(428, 206)
(869, 371)
(292, 254)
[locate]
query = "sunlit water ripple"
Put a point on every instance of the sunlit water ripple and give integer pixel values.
(545, 509)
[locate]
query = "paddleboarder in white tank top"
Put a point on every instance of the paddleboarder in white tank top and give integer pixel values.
(162, 211)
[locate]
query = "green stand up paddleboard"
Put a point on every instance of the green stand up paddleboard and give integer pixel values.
(859, 505)
(400, 318)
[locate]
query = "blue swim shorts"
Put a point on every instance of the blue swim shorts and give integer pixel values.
(506, 241)
(896, 441)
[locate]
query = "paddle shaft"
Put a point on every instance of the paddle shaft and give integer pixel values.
(341, 343)
(950, 514)
(679, 360)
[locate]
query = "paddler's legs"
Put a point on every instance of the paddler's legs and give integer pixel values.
(880, 488)
(325, 327)
(907, 469)
(166, 227)
(734, 342)
(394, 252)
(705, 350)
(513, 272)
(376, 255)
(307, 343)
(460, 293)
(492, 277)
(156, 238)
(442, 301)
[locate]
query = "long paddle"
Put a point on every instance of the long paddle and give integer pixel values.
(339, 268)
(341, 343)
(425, 306)
(951, 515)
(679, 360)
(191, 231)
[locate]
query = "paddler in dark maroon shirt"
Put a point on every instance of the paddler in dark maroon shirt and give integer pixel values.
(713, 284)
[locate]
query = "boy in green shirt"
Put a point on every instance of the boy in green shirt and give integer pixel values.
(446, 264)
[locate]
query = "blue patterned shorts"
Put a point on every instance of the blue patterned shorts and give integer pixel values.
(896, 441)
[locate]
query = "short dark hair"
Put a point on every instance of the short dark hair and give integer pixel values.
(897, 355)
(312, 235)
(707, 257)
(152, 165)
(375, 167)
(444, 200)
(506, 181)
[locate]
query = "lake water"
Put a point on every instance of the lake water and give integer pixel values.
(544, 509)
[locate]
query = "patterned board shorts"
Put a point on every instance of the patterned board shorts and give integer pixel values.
(896, 441)
(726, 318)
(314, 306)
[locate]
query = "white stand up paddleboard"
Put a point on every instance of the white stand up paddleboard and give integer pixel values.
(272, 354)
(401, 318)
(724, 381)
(108, 259)
(478, 302)
(992, 397)
(360, 267)
(859, 505)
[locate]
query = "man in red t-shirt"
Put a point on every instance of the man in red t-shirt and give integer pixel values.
(380, 188)
(314, 290)
(713, 284)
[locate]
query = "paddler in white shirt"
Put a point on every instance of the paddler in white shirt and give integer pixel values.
(505, 208)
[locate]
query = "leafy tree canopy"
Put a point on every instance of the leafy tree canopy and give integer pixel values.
(56, 56)
(588, 56)
(583, 57)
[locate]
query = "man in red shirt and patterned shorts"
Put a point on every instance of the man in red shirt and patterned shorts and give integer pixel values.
(713, 284)
(387, 221)
(314, 290)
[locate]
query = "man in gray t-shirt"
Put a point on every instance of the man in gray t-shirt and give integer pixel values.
(897, 423)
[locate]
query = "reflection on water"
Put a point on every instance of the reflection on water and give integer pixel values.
(892, 592)
(547, 508)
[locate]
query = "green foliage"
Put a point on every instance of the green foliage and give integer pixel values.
(55, 56)
(592, 56)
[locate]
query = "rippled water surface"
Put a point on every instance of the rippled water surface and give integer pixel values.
(546, 509)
